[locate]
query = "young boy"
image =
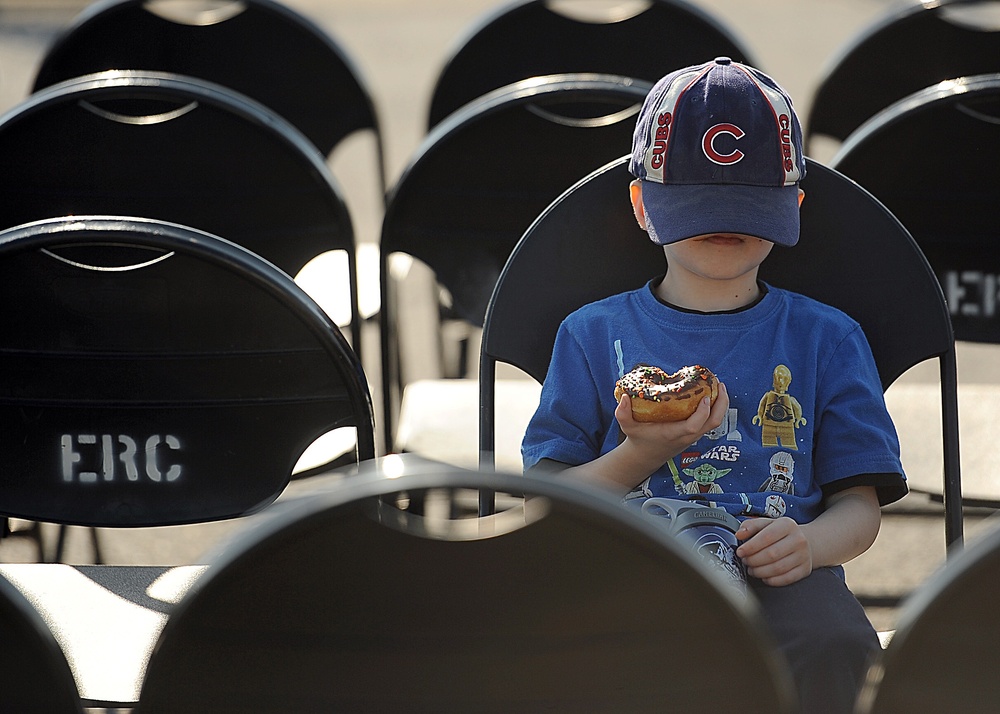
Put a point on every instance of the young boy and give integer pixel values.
(798, 444)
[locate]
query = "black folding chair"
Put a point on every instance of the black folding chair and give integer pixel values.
(931, 159)
(535, 37)
(915, 45)
(263, 49)
(564, 601)
(154, 374)
(847, 241)
(479, 179)
(177, 149)
(34, 673)
(941, 654)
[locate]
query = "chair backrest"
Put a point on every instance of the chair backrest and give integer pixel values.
(177, 149)
(587, 246)
(916, 45)
(941, 654)
(562, 602)
(154, 374)
(478, 180)
(932, 160)
(260, 48)
(34, 673)
(538, 37)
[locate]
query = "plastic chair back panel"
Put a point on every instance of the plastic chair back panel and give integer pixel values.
(613, 241)
(482, 176)
(534, 39)
(915, 46)
(931, 159)
(175, 149)
(176, 392)
(266, 51)
(479, 180)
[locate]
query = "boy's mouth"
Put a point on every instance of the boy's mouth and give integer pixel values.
(723, 239)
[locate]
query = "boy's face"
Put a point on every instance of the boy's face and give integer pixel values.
(718, 256)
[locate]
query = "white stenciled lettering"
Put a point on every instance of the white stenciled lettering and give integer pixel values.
(127, 457)
(152, 471)
(87, 476)
(90, 458)
(107, 457)
(972, 293)
(70, 457)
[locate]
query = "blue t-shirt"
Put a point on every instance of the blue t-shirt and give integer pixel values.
(807, 416)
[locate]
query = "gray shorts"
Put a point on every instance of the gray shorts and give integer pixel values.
(824, 634)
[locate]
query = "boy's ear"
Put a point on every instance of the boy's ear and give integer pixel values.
(635, 193)
(802, 196)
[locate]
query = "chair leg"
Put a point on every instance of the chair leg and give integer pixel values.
(96, 543)
(34, 532)
(61, 545)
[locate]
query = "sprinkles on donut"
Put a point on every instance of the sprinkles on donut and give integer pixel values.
(657, 396)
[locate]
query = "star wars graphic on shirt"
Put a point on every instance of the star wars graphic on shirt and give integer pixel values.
(806, 409)
(702, 473)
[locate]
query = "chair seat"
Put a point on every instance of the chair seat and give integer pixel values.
(439, 419)
(914, 407)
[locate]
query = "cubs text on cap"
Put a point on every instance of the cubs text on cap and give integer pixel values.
(719, 150)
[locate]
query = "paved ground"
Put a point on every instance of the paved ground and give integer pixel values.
(399, 46)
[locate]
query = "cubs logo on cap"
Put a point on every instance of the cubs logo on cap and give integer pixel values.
(719, 150)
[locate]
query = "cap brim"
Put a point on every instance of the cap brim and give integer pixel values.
(676, 212)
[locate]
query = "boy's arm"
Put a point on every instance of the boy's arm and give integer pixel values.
(780, 551)
(648, 446)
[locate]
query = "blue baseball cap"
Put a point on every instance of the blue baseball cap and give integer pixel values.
(719, 150)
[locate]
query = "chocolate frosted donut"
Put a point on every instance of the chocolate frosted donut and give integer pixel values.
(658, 396)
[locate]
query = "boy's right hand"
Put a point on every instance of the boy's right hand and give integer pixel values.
(649, 445)
(661, 441)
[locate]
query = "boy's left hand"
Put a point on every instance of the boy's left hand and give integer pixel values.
(775, 551)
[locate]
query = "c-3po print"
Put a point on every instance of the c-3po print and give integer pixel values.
(779, 413)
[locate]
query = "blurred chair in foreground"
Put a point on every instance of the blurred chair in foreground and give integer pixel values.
(901, 310)
(915, 45)
(154, 375)
(931, 158)
(562, 602)
(474, 186)
(642, 40)
(35, 677)
(941, 657)
(259, 48)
